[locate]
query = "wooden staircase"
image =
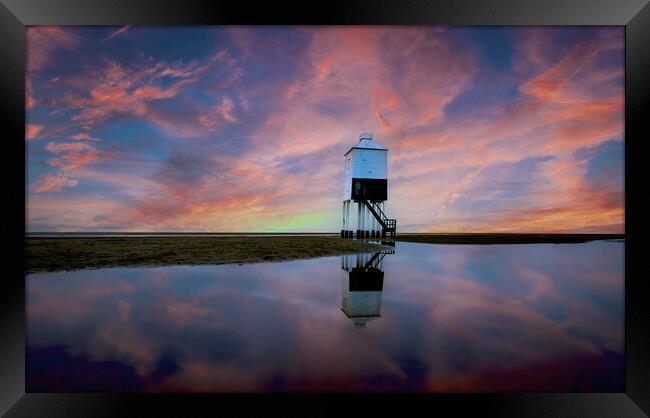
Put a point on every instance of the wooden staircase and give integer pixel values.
(388, 225)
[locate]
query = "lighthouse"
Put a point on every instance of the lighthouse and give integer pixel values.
(365, 191)
(362, 285)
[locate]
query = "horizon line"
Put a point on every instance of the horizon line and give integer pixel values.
(314, 233)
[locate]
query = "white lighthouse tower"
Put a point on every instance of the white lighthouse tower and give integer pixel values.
(366, 184)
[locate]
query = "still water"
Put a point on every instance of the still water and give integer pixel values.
(491, 318)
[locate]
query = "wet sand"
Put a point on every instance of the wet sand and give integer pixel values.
(73, 253)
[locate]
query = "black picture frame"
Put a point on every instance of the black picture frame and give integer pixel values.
(15, 15)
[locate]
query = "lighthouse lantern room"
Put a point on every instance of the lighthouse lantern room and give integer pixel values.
(366, 185)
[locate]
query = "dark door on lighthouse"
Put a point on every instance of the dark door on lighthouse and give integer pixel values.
(369, 189)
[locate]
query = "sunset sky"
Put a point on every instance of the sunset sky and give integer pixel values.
(516, 129)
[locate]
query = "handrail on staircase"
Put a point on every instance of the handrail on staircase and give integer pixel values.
(386, 223)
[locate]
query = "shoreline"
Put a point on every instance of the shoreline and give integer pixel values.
(73, 252)
(76, 253)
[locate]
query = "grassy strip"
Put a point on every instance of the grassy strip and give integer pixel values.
(55, 254)
(479, 238)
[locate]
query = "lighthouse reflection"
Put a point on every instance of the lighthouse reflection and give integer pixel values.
(362, 282)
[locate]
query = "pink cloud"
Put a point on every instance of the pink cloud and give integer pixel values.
(220, 113)
(32, 130)
(323, 69)
(83, 137)
(30, 100)
(72, 154)
(376, 96)
(120, 90)
(53, 183)
(73, 160)
(61, 148)
(43, 40)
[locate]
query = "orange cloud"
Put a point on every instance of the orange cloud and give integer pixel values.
(72, 154)
(130, 91)
(32, 130)
(83, 137)
(323, 69)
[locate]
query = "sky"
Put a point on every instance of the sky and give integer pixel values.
(243, 129)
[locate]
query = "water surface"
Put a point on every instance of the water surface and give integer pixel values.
(494, 318)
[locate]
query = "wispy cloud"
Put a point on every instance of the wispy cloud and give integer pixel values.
(44, 41)
(53, 183)
(117, 32)
(83, 137)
